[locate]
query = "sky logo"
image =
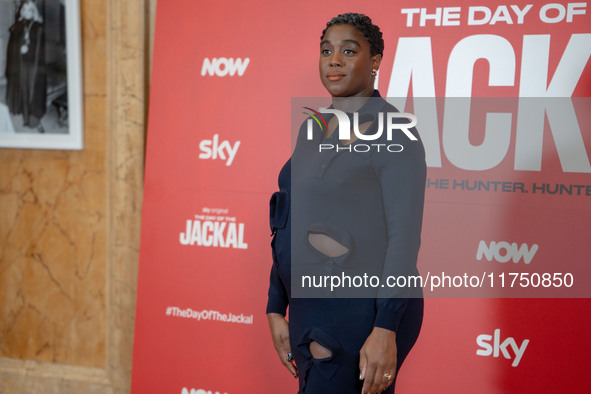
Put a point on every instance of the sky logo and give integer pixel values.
(497, 348)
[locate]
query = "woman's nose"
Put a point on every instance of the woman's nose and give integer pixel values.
(335, 60)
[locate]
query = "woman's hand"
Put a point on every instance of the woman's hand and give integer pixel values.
(376, 358)
(280, 334)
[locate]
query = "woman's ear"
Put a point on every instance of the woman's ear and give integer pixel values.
(375, 61)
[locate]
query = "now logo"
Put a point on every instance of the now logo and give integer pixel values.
(486, 349)
(505, 251)
(198, 391)
(222, 66)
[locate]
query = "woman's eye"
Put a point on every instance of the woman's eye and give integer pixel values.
(349, 52)
(325, 51)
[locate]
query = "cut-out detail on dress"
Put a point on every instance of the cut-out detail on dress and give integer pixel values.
(326, 245)
(318, 351)
(326, 367)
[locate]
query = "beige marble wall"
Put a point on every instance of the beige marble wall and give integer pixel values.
(69, 225)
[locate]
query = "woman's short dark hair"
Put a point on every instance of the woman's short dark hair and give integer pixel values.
(362, 23)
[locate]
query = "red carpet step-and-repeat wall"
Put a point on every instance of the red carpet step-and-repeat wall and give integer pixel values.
(508, 189)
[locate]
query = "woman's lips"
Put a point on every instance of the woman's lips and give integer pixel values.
(335, 77)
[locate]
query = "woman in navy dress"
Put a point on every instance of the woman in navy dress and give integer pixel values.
(351, 213)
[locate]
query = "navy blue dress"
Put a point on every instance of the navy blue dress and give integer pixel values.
(389, 188)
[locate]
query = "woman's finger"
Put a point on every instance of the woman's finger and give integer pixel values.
(388, 379)
(284, 356)
(378, 377)
(362, 364)
(280, 334)
(370, 385)
(289, 361)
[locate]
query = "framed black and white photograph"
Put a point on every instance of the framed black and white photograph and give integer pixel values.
(40, 74)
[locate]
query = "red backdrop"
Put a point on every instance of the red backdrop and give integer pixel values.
(224, 73)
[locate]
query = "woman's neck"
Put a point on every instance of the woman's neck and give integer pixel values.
(350, 104)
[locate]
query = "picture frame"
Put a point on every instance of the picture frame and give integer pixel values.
(41, 105)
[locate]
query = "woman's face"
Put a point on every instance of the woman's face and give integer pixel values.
(346, 62)
(27, 12)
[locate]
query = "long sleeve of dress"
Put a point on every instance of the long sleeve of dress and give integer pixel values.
(277, 301)
(402, 177)
(279, 208)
